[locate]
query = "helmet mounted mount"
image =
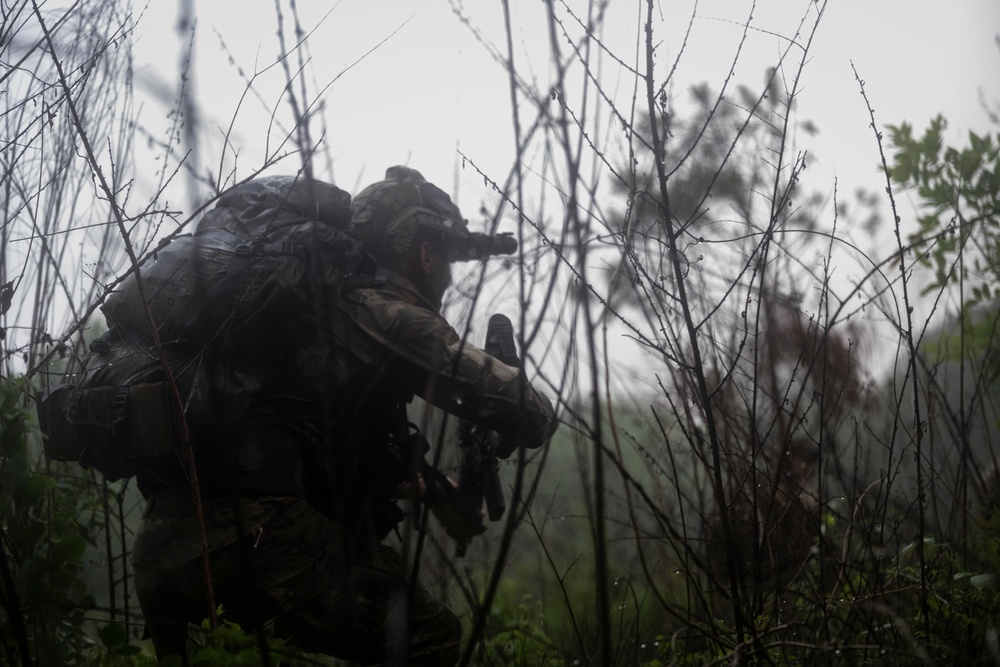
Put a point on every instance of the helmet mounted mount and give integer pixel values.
(390, 212)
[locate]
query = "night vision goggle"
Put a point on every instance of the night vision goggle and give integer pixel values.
(477, 246)
(435, 210)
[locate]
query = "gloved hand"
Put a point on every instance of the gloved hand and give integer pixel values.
(459, 525)
(442, 499)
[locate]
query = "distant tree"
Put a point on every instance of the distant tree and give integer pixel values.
(782, 371)
(957, 192)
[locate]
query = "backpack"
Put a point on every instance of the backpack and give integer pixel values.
(249, 283)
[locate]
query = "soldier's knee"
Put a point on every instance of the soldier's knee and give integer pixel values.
(436, 639)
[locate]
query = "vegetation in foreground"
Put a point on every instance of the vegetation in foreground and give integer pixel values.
(766, 495)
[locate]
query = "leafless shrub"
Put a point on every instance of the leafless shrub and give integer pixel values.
(732, 482)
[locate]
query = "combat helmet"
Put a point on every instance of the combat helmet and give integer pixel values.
(391, 211)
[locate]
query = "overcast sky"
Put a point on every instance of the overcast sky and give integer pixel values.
(410, 83)
(430, 88)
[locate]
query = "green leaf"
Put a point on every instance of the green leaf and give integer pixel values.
(33, 584)
(929, 222)
(32, 531)
(931, 141)
(979, 144)
(33, 490)
(901, 172)
(128, 650)
(113, 635)
(69, 549)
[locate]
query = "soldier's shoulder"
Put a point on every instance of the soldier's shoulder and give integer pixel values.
(383, 312)
(376, 297)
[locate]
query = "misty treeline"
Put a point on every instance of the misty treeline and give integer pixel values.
(778, 401)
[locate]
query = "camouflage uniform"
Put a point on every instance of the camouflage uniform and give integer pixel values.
(297, 505)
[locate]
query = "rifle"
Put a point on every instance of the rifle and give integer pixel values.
(478, 478)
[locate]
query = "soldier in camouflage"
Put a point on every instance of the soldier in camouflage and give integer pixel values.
(297, 505)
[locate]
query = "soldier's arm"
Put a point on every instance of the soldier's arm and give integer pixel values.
(459, 377)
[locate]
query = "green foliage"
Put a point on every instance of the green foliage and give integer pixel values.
(114, 649)
(229, 645)
(49, 523)
(856, 602)
(972, 339)
(957, 188)
(862, 603)
(516, 635)
(524, 630)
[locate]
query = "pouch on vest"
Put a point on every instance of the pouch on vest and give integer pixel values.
(118, 430)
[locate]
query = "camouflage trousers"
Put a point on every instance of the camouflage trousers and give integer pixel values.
(278, 562)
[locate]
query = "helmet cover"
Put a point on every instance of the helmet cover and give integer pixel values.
(391, 211)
